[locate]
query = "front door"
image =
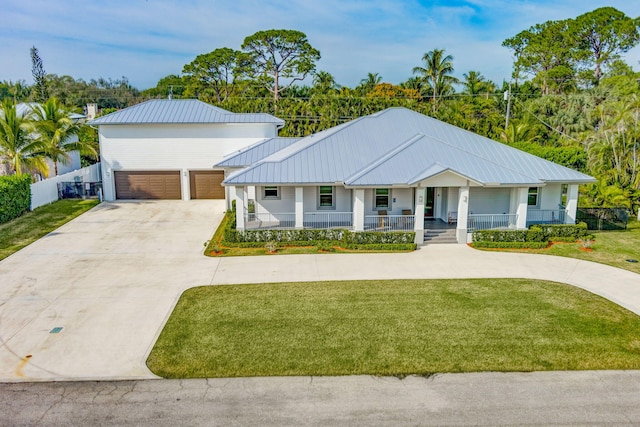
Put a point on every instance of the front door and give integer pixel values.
(428, 202)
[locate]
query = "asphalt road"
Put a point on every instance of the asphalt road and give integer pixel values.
(542, 398)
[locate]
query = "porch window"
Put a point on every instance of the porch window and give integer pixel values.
(271, 192)
(326, 197)
(382, 198)
(532, 196)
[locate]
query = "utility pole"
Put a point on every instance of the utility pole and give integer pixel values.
(507, 97)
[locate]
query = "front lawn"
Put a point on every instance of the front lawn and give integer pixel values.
(396, 327)
(20, 232)
(609, 247)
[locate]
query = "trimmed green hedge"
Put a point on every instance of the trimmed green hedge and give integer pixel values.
(15, 196)
(534, 234)
(560, 231)
(511, 245)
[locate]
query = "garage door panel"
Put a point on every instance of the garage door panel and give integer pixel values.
(207, 184)
(148, 185)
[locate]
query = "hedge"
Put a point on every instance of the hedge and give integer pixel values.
(511, 245)
(561, 231)
(15, 196)
(533, 234)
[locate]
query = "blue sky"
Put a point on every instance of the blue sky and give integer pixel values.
(145, 40)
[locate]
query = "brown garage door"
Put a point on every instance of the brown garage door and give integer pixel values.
(206, 184)
(148, 185)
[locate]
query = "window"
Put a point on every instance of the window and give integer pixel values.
(271, 192)
(326, 197)
(382, 198)
(532, 197)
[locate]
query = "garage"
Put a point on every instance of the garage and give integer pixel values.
(206, 184)
(148, 185)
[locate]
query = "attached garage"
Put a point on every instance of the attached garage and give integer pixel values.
(206, 184)
(148, 185)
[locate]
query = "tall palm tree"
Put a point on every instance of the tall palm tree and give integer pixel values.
(437, 71)
(18, 149)
(56, 132)
(368, 83)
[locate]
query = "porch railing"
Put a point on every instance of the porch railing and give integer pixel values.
(389, 222)
(256, 221)
(545, 216)
(328, 219)
(490, 221)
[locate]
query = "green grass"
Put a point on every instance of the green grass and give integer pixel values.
(609, 247)
(20, 232)
(396, 327)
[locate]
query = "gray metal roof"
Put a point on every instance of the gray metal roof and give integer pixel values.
(176, 111)
(25, 108)
(398, 146)
(256, 152)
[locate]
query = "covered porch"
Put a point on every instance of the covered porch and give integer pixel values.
(463, 208)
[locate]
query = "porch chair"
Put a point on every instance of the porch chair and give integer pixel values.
(382, 215)
(453, 217)
(406, 221)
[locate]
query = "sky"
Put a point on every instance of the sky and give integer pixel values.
(145, 40)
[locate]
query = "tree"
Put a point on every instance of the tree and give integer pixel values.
(324, 83)
(474, 83)
(41, 92)
(545, 51)
(280, 54)
(215, 73)
(56, 131)
(437, 71)
(368, 83)
(18, 150)
(602, 35)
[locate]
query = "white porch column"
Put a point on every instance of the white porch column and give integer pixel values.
(358, 209)
(185, 184)
(572, 204)
(230, 195)
(240, 194)
(522, 196)
(463, 214)
(419, 216)
(299, 207)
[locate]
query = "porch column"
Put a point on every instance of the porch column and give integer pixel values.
(230, 196)
(463, 214)
(299, 207)
(419, 216)
(358, 209)
(185, 184)
(572, 204)
(522, 196)
(239, 197)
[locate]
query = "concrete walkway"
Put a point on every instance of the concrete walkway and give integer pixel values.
(111, 277)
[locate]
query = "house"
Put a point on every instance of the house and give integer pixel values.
(399, 169)
(168, 149)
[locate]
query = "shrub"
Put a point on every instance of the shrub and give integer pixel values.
(15, 196)
(534, 234)
(511, 245)
(564, 231)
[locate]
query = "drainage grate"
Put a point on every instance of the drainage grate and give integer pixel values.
(632, 260)
(55, 330)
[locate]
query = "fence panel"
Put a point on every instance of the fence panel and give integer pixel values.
(603, 218)
(46, 191)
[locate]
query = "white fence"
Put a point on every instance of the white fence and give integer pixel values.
(46, 191)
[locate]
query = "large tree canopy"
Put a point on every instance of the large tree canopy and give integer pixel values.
(280, 54)
(216, 72)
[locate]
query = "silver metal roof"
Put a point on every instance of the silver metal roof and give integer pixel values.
(256, 152)
(398, 146)
(175, 111)
(25, 108)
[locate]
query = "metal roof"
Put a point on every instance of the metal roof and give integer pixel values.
(180, 111)
(398, 146)
(25, 108)
(256, 152)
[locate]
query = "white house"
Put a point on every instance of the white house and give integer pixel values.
(168, 149)
(398, 169)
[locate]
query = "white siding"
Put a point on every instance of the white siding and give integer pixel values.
(452, 200)
(284, 204)
(401, 198)
(550, 196)
(489, 200)
(172, 147)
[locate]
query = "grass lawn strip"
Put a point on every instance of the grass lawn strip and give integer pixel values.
(22, 231)
(397, 327)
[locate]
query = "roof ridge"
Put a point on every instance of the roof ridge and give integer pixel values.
(377, 162)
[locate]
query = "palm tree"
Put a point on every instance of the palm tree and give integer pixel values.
(368, 83)
(437, 71)
(56, 130)
(18, 149)
(324, 83)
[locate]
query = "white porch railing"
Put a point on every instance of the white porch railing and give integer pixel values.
(328, 219)
(256, 221)
(490, 221)
(389, 222)
(545, 216)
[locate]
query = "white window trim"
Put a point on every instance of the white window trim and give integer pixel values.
(264, 191)
(382, 208)
(333, 198)
(538, 194)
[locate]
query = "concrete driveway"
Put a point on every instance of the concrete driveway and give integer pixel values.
(111, 277)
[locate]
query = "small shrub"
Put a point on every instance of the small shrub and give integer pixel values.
(585, 243)
(271, 247)
(325, 246)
